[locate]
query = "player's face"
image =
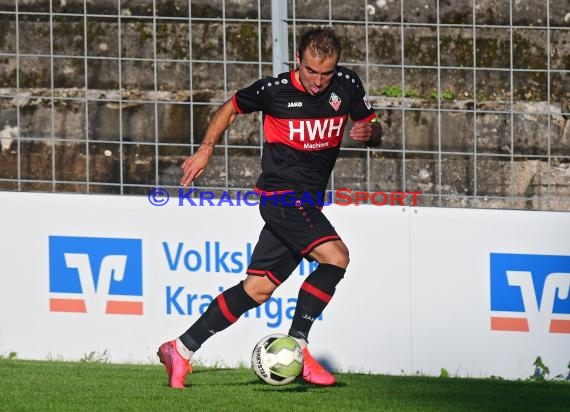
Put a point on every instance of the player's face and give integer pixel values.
(315, 74)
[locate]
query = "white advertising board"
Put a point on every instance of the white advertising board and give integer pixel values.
(427, 288)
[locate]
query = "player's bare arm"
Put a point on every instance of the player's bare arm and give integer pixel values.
(195, 165)
(369, 133)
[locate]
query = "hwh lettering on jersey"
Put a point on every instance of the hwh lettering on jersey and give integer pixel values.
(305, 134)
(315, 129)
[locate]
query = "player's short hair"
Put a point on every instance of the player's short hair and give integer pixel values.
(322, 42)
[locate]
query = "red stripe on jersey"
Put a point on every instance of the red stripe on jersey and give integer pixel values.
(234, 101)
(225, 310)
(305, 134)
(367, 119)
(307, 287)
(296, 82)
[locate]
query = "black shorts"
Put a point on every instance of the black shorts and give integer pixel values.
(289, 234)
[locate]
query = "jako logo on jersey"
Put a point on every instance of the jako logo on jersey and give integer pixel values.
(96, 275)
(295, 104)
(335, 101)
(530, 293)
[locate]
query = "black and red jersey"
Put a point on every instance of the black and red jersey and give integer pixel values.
(302, 132)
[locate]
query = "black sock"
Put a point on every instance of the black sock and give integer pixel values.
(314, 295)
(222, 312)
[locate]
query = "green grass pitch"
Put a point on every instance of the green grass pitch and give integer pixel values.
(91, 386)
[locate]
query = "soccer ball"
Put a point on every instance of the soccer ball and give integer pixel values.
(277, 359)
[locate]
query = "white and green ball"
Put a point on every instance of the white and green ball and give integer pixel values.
(277, 359)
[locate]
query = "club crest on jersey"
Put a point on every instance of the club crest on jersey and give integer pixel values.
(335, 101)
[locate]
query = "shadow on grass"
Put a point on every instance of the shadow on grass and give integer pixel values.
(226, 377)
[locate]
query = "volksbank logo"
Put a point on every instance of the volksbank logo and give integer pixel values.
(96, 275)
(530, 293)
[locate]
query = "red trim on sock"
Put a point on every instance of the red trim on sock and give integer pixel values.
(224, 308)
(307, 287)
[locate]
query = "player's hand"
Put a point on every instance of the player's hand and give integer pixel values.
(361, 131)
(195, 165)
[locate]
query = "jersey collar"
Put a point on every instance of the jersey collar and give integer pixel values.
(298, 84)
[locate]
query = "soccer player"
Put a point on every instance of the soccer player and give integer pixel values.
(305, 112)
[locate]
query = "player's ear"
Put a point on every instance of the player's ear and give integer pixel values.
(298, 58)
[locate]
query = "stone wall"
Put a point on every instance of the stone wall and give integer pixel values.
(207, 38)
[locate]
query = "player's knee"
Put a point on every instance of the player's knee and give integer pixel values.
(343, 260)
(259, 289)
(261, 296)
(340, 259)
(333, 253)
